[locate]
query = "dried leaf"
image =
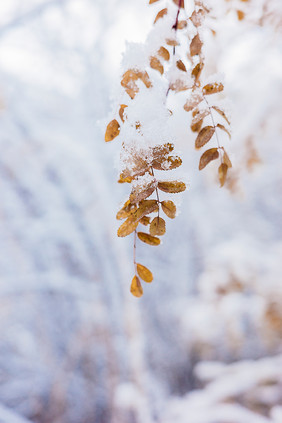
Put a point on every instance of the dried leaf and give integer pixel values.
(145, 79)
(208, 156)
(167, 163)
(152, 1)
(222, 127)
(181, 65)
(196, 46)
(172, 42)
(221, 112)
(160, 14)
(141, 192)
(195, 127)
(148, 239)
(196, 72)
(129, 78)
(240, 15)
(192, 102)
(156, 64)
(179, 85)
(136, 287)
(123, 179)
(169, 208)
(204, 136)
(181, 24)
(146, 207)
(222, 172)
(212, 88)
(112, 130)
(199, 115)
(157, 226)
(127, 227)
(144, 273)
(226, 159)
(145, 220)
(161, 150)
(197, 17)
(121, 111)
(177, 3)
(164, 53)
(127, 209)
(172, 186)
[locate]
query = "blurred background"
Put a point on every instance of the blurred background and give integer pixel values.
(202, 345)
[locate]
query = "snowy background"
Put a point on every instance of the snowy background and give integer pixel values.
(202, 345)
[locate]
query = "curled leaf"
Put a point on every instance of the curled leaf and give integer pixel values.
(172, 186)
(222, 127)
(196, 46)
(181, 65)
(127, 209)
(144, 273)
(157, 226)
(121, 111)
(164, 53)
(207, 157)
(221, 112)
(127, 227)
(136, 287)
(169, 208)
(148, 239)
(226, 159)
(112, 130)
(160, 14)
(212, 88)
(204, 136)
(196, 72)
(222, 172)
(156, 64)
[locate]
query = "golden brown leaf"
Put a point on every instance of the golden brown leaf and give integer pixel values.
(222, 127)
(181, 24)
(160, 14)
(208, 156)
(148, 239)
(221, 112)
(121, 111)
(169, 208)
(156, 64)
(212, 88)
(222, 172)
(152, 1)
(192, 102)
(172, 186)
(204, 136)
(136, 287)
(196, 126)
(145, 79)
(112, 130)
(144, 273)
(141, 192)
(157, 226)
(177, 3)
(127, 209)
(179, 85)
(164, 53)
(167, 163)
(197, 17)
(240, 15)
(129, 78)
(226, 159)
(145, 220)
(127, 227)
(172, 42)
(123, 179)
(196, 46)
(146, 207)
(196, 72)
(181, 65)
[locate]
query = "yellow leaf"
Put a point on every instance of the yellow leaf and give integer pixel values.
(212, 88)
(196, 46)
(112, 130)
(121, 111)
(141, 192)
(160, 14)
(208, 156)
(146, 207)
(204, 136)
(222, 172)
(148, 239)
(172, 186)
(145, 220)
(240, 15)
(181, 65)
(164, 53)
(169, 208)
(152, 1)
(221, 112)
(156, 64)
(222, 127)
(127, 227)
(144, 273)
(136, 287)
(123, 179)
(157, 226)
(127, 209)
